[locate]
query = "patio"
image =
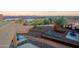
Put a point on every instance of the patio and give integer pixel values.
(47, 33)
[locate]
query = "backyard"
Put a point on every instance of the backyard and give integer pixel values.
(44, 32)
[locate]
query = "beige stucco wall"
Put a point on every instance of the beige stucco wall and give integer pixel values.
(7, 32)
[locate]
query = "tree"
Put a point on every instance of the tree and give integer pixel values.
(50, 20)
(46, 21)
(59, 21)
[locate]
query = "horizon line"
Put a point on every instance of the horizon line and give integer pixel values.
(40, 13)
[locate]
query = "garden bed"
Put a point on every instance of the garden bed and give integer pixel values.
(38, 31)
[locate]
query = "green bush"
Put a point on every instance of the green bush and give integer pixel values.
(50, 20)
(59, 21)
(46, 21)
(20, 20)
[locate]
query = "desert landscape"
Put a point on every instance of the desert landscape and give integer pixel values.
(39, 29)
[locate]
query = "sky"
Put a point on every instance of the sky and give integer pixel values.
(40, 13)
